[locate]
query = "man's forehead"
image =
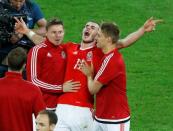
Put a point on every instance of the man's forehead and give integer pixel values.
(92, 24)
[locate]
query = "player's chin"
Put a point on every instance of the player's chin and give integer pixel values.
(56, 43)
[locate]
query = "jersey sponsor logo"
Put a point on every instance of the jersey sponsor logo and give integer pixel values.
(49, 54)
(89, 56)
(63, 55)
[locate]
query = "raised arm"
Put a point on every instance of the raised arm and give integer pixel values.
(148, 26)
(20, 27)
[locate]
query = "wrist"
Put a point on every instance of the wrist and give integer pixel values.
(30, 34)
(90, 77)
(142, 30)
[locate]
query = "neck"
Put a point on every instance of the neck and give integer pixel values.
(109, 48)
(87, 45)
(17, 71)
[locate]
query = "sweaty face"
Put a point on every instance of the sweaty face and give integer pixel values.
(17, 4)
(55, 34)
(90, 32)
(101, 39)
(42, 123)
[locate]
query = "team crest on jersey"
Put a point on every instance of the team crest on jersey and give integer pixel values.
(63, 55)
(49, 54)
(89, 56)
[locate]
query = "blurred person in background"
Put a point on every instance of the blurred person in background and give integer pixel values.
(19, 99)
(28, 10)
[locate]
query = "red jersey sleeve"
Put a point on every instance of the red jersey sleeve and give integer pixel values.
(38, 102)
(109, 69)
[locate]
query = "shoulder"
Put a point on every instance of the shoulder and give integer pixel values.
(29, 84)
(70, 45)
(31, 4)
(97, 50)
(40, 48)
(114, 59)
(31, 87)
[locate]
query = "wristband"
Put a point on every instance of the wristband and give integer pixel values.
(30, 34)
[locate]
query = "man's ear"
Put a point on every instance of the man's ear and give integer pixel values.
(52, 126)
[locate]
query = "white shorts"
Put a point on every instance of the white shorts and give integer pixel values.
(73, 118)
(111, 127)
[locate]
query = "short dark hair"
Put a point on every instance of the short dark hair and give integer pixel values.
(54, 21)
(17, 58)
(51, 115)
(111, 30)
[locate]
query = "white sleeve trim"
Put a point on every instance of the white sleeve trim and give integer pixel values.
(103, 66)
(34, 78)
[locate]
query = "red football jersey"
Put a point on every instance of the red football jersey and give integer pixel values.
(18, 100)
(111, 100)
(45, 68)
(74, 55)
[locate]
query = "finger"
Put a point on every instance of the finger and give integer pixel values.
(76, 85)
(17, 20)
(150, 19)
(92, 66)
(69, 81)
(85, 63)
(80, 66)
(21, 19)
(75, 82)
(82, 70)
(158, 21)
(75, 88)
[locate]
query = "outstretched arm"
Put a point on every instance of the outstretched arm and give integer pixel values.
(148, 26)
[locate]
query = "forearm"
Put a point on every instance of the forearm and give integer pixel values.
(131, 38)
(46, 87)
(93, 86)
(90, 85)
(35, 38)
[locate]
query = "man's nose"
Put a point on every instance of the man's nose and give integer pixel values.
(18, 6)
(88, 28)
(58, 34)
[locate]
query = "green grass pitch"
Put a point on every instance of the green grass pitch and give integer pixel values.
(149, 62)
